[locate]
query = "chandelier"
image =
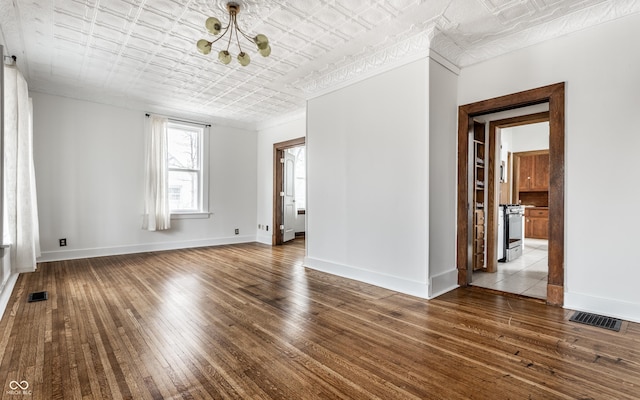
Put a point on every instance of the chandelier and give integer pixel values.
(214, 26)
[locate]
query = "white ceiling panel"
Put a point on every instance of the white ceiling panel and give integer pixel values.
(142, 53)
(375, 16)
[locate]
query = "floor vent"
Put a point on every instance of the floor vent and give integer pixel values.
(38, 296)
(597, 320)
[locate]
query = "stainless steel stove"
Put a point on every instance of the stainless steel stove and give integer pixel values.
(510, 232)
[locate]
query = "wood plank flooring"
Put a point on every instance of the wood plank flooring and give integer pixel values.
(250, 322)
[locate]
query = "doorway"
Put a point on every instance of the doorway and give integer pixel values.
(554, 96)
(518, 197)
(284, 204)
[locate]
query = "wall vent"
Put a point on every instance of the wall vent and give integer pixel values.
(597, 320)
(38, 296)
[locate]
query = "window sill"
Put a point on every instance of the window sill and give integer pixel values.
(195, 215)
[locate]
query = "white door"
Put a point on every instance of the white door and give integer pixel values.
(289, 212)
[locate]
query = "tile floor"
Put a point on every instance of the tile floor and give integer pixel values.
(526, 275)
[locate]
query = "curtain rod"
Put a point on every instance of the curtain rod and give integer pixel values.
(185, 121)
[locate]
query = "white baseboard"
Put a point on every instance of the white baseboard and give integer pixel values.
(5, 292)
(265, 238)
(602, 306)
(60, 255)
(443, 283)
(413, 288)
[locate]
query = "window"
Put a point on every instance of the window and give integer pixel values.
(187, 160)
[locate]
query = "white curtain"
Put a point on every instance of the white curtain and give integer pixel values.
(157, 216)
(20, 211)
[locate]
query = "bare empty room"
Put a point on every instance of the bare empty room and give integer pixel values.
(249, 199)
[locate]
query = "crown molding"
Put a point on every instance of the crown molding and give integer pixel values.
(579, 20)
(432, 41)
(412, 48)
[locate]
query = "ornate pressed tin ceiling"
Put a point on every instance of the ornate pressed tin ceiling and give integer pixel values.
(142, 54)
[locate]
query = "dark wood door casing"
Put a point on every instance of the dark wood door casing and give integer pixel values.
(554, 95)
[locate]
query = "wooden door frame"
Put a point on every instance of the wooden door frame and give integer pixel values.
(278, 181)
(493, 146)
(555, 96)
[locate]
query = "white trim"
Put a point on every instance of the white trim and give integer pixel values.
(443, 283)
(191, 215)
(437, 57)
(5, 293)
(413, 288)
(265, 238)
(588, 17)
(602, 306)
(390, 66)
(203, 131)
(49, 256)
(341, 84)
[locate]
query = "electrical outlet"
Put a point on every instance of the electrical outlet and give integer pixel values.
(267, 226)
(63, 242)
(237, 231)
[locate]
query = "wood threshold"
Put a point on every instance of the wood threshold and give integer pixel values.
(507, 294)
(249, 321)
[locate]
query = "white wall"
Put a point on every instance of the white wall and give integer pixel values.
(301, 223)
(526, 137)
(523, 138)
(602, 142)
(443, 116)
(267, 137)
(368, 176)
(89, 176)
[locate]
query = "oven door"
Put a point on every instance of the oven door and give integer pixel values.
(514, 230)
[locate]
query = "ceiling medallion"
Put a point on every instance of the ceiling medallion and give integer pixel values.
(214, 27)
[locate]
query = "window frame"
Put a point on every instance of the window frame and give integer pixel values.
(202, 173)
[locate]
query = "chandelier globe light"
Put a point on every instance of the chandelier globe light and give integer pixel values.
(214, 26)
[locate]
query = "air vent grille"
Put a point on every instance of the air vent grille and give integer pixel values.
(597, 320)
(38, 296)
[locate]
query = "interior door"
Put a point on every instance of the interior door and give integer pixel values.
(289, 202)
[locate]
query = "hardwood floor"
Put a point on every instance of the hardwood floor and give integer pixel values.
(248, 321)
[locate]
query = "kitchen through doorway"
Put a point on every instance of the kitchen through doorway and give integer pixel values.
(520, 263)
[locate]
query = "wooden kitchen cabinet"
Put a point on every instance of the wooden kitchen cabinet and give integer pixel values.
(536, 223)
(524, 172)
(533, 173)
